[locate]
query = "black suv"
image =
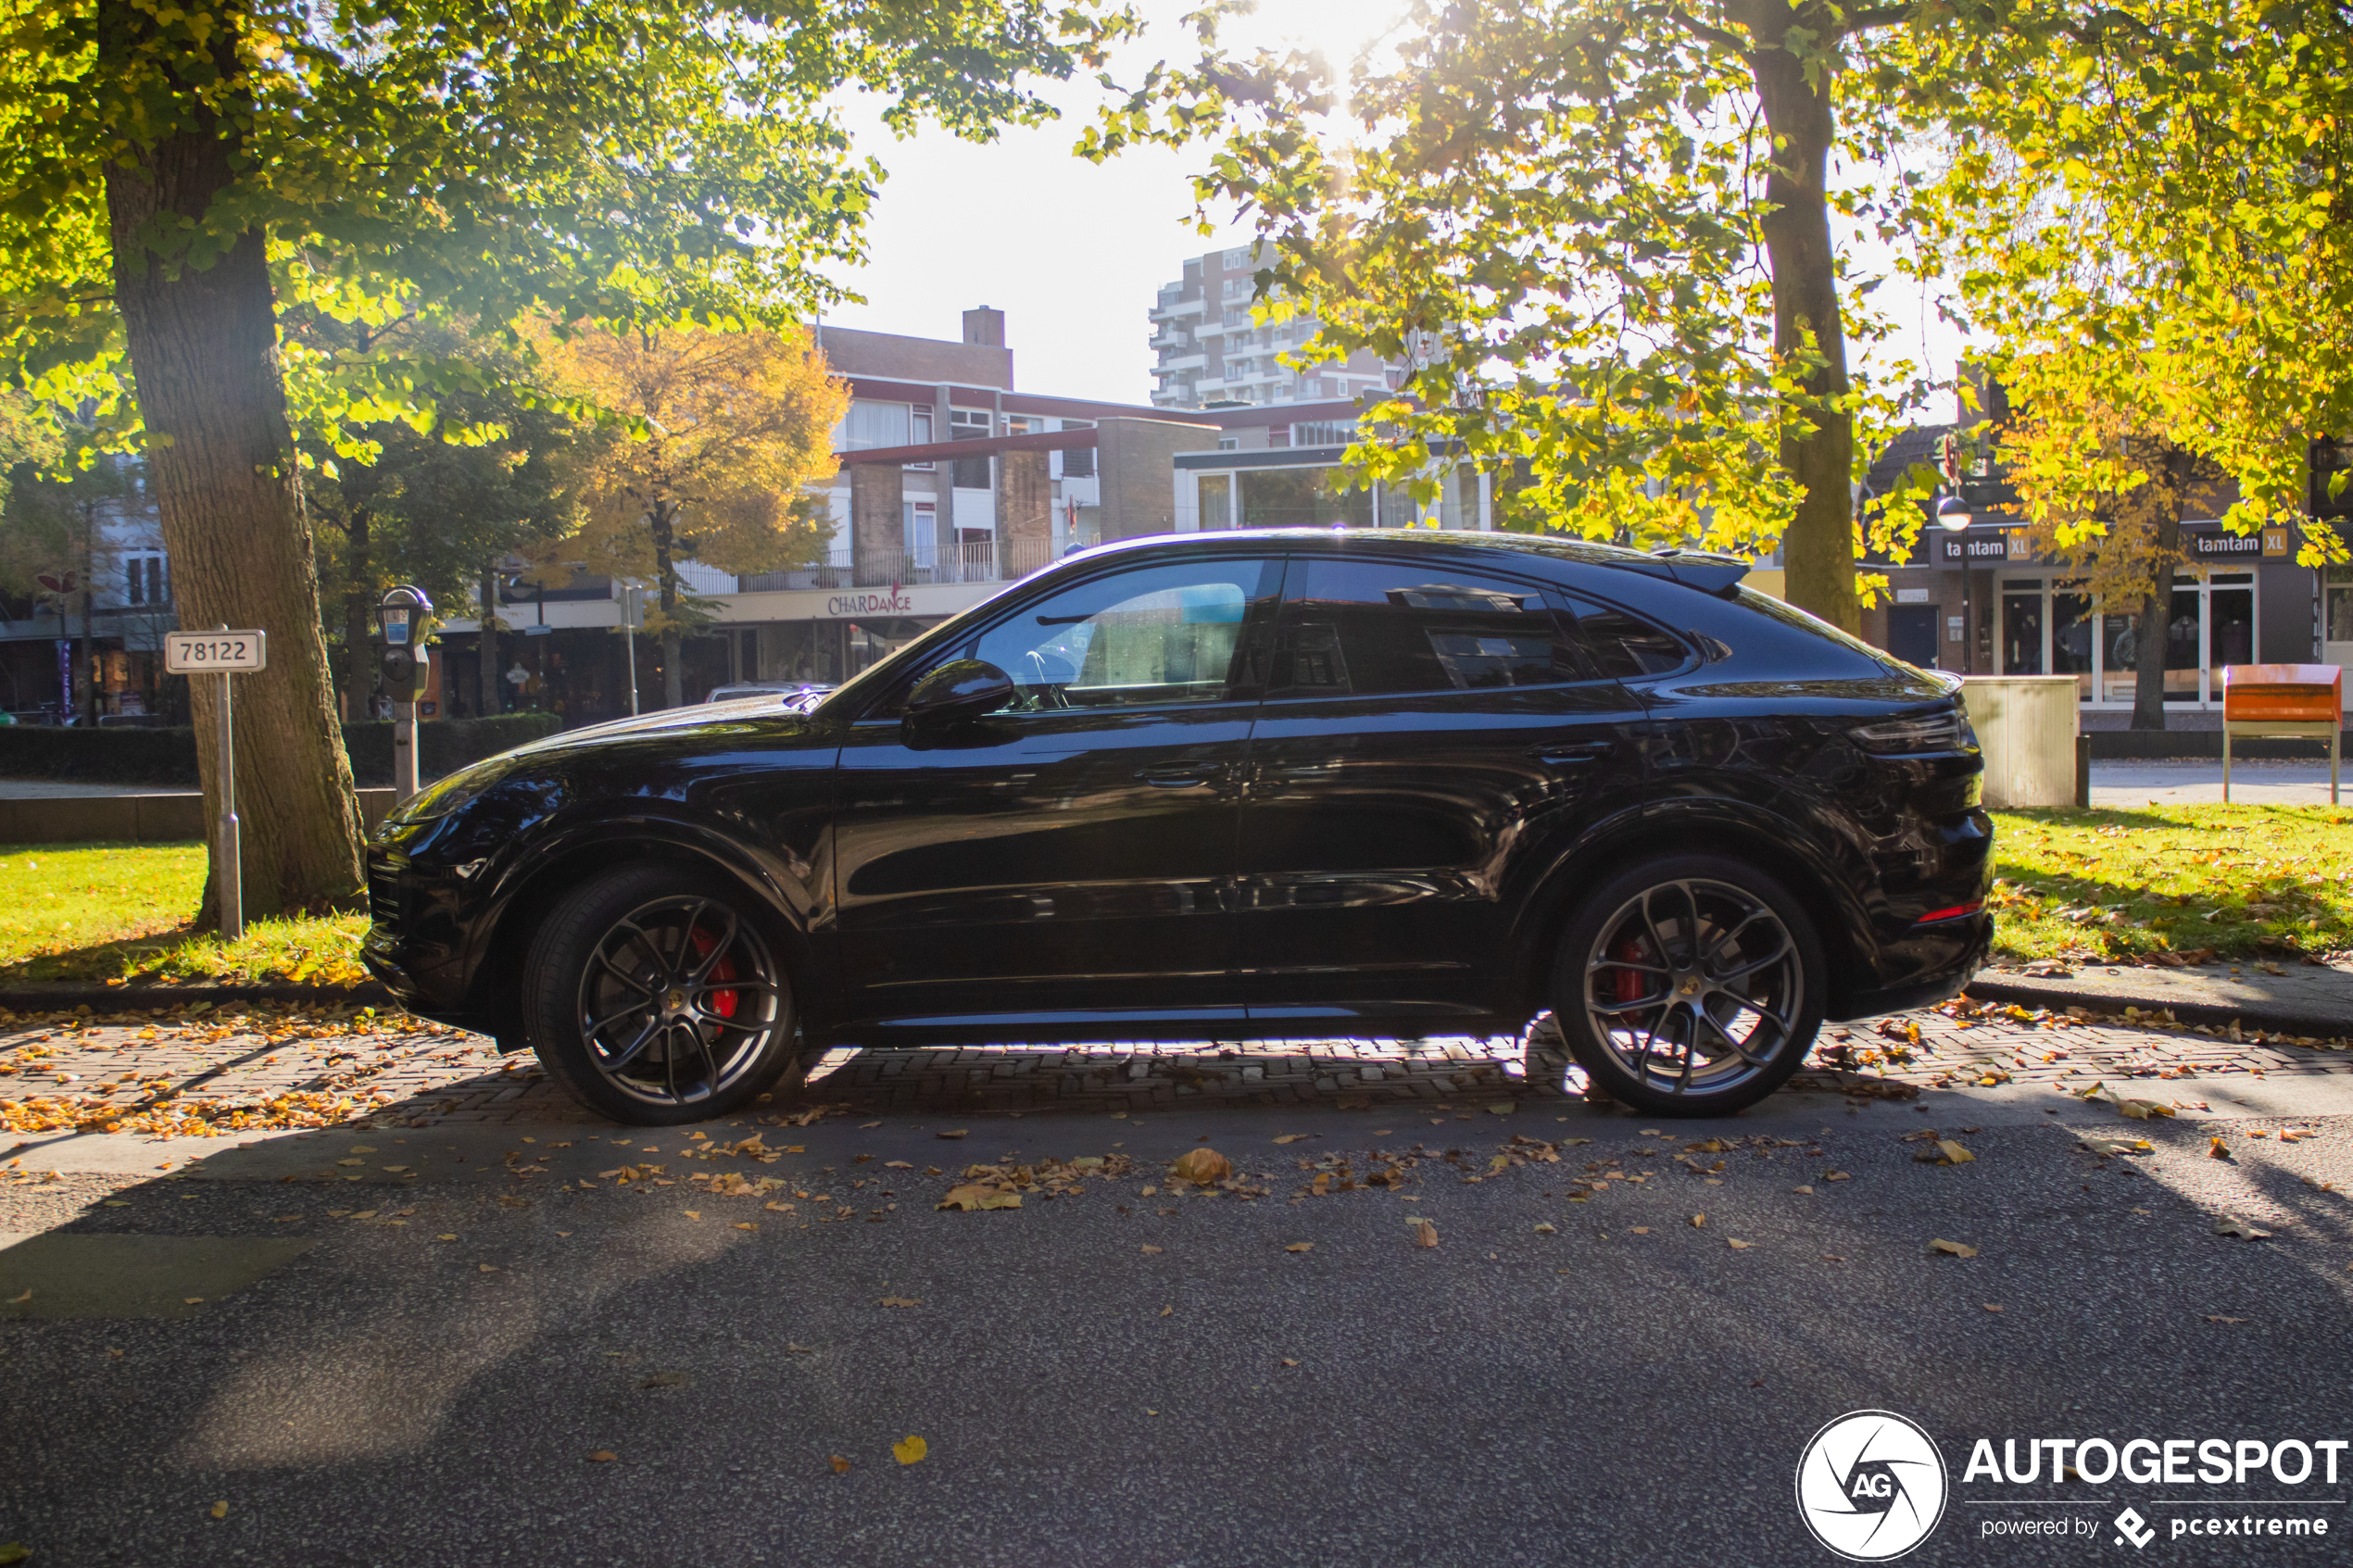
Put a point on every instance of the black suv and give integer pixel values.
(1225, 785)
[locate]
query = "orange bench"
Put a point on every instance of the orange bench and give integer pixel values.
(2284, 699)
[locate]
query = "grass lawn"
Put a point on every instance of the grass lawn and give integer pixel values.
(2232, 882)
(121, 911)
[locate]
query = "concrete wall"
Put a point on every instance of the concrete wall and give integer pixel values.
(1136, 462)
(130, 819)
(877, 523)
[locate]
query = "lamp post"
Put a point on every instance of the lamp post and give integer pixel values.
(404, 616)
(1953, 515)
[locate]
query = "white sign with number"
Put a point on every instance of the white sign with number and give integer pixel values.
(198, 653)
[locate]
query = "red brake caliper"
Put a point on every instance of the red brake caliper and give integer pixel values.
(1630, 984)
(721, 1002)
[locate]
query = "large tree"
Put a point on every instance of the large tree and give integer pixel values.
(176, 173)
(726, 431)
(1606, 234)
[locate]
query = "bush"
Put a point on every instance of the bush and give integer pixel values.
(167, 757)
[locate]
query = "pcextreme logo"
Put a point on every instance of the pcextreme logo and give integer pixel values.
(1872, 1485)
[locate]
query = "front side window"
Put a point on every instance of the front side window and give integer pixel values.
(1366, 627)
(1176, 633)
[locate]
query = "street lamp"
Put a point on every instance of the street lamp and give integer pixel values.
(1953, 515)
(404, 618)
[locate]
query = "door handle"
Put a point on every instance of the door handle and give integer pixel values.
(1180, 775)
(1572, 754)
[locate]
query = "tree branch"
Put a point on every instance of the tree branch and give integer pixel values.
(1707, 33)
(1873, 17)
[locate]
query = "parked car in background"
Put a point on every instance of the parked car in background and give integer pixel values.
(799, 695)
(1222, 785)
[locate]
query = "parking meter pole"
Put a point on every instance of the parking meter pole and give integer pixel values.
(632, 617)
(404, 751)
(229, 868)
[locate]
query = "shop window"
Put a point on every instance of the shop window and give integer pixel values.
(2337, 611)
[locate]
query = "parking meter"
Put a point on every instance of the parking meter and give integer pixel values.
(403, 616)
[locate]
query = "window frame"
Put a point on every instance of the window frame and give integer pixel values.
(1566, 634)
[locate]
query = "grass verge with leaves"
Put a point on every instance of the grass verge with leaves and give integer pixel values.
(2173, 882)
(98, 913)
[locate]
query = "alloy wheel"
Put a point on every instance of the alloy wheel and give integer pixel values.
(679, 1000)
(1694, 986)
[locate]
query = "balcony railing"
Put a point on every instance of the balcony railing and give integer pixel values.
(991, 560)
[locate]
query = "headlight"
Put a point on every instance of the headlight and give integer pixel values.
(445, 795)
(1948, 731)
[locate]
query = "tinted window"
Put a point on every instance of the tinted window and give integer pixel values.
(1172, 632)
(1361, 627)
(1624, 648)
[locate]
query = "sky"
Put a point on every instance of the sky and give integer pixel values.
(1072, 252)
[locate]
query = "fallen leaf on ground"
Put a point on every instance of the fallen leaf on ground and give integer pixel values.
(863, 1125)
(486, 1268)
(444, 1239)
(1989, 1306)
(1300, 1247)
(897, 1165)
(2230, 1224)
(1545, 1227)
(2217, 1317)
(1287, 1361)
(1637, 1230)
(1952, 1248)
(974, 1195)
(1203, 1165)
(192, 1300)
(911, 1450)
(1151, 1248)
(1738, 1246)
(841, 1465)
(1953, 1153)
(1425, 1234)
(20, 1300)
(900, 1302)
(220, 1509)
(1167, 1311)
(2217, 1149)
(1294, 1137)
(953, 1133)
(1836, 1176)
(746, 1225)
(1699, 1222)
(2118, 1146)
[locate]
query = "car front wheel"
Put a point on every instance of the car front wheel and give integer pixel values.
(1691, 985)
(658, 999)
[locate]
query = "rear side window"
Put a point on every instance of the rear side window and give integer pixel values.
(1371, 627)
(1625, 647)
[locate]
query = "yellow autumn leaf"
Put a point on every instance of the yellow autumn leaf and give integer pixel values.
(1300, 1247)
(910, 1452)
(603, 1456)
(1952, 1248)
(1952, 1152)
(841, 1465)
(1203, 1165)
(221, 1510)
(1425, 1234)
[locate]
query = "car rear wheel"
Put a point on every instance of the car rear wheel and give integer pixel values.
(1690, 985)
(658, 999)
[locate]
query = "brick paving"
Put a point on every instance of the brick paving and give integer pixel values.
(244, 1069)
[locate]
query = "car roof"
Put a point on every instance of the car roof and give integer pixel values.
(1711, 574)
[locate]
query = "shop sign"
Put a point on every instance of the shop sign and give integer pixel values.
(895, 602)
(1988, 547)
(1911, 595)
(2275, 545)
(2226, 547)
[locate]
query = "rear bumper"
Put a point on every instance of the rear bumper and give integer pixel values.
(1933, 962)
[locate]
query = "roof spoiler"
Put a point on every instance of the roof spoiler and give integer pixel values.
(1694, 568)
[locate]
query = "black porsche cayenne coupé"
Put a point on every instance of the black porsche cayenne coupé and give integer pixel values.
(1217, 786)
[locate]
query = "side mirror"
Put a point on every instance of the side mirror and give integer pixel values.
(956, 693)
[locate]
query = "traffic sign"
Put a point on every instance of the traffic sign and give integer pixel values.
(215, 653)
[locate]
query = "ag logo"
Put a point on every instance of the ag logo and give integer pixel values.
(1870, 1486)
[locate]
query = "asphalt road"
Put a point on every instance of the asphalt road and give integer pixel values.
(1630, 1388)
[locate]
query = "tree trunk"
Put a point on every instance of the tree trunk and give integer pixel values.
(1819, 549)
(358, 624)
(674, 680)
(486, 642)
(2156, 609)
(204, 357)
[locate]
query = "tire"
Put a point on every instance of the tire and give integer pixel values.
(1709, 1031)
(713, 1025)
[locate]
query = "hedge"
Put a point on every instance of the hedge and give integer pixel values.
(167, 757)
